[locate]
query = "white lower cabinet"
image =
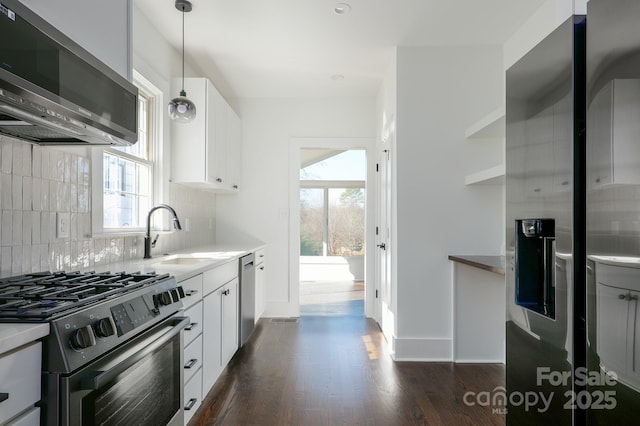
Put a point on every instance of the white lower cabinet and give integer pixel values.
(230, 317)
(211, 339)
(220, 335)
(20, 385)
(192, 395)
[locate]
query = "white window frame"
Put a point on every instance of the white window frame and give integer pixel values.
(154, 160)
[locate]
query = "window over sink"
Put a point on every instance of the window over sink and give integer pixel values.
(123, 176)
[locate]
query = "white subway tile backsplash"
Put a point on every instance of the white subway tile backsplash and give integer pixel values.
(16, 260)
(46, 166)
(36, 233)
(26, 229)
(26, 159)
(5, 261)
(45, 236)
(73, 197)
(17, 159)
(36, 182)
(17, 229)
(36, 162)
(7, 228)
(36, 193)
(16, 192)
(73, 228)
(5, 183)
(67, 167)
(7, 156)
(73, 173)
(27, 193)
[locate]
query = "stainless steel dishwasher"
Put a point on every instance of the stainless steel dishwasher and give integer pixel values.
(247, 297)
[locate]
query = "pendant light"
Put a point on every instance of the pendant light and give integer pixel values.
(181, 109)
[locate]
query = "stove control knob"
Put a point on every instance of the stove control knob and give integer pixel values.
(165, 298)
(105, 327)
(83, 338)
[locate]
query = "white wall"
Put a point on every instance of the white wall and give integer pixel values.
(261, 210)
(440, 92)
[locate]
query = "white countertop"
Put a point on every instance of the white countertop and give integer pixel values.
(13, 335)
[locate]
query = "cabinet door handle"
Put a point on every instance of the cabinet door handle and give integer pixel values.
(262, 268)
(191, 292)
(190, 404)
(226, 292)
(235, 186)
(4, 396)
(622, 296)
(191, 326)
(191, 363)
(219, 180)
(634, 297)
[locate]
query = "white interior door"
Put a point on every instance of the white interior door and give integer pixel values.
(383, 237)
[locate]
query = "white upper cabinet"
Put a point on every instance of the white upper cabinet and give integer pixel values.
(104, 28)
(207, 152)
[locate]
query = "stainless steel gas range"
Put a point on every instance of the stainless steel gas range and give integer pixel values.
(114, 354)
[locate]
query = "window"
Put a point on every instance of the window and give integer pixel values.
(123, 176)
(127, 176)
(332, 203)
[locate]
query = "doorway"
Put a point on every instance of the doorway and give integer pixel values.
(332, 231)
(330, 237)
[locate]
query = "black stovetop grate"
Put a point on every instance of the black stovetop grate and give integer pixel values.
(44, 295)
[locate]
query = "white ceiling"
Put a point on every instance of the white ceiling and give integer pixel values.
(292, 48)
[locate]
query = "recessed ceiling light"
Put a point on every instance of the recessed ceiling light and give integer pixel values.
(337, 77)
(342, 8)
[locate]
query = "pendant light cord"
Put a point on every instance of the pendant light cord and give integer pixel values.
(183, 48)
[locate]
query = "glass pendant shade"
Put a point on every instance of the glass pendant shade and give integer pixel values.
(181, 109)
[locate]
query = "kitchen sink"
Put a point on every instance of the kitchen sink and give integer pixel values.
(182, 260)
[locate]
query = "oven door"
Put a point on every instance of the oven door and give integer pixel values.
(140, 383)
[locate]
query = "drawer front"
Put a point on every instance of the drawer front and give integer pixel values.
(261, 255)
(192, 290)
(20, 378)
(219, 276)
(194, 329)
(192, 359)
(192, 395)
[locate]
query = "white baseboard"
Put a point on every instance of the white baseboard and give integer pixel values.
(422, 349)
(281, 310)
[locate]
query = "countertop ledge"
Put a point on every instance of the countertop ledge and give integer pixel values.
(495, 264)
(15, 335)
(215, 255)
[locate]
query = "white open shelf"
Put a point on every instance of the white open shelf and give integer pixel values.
(491, 176)
(491, 125)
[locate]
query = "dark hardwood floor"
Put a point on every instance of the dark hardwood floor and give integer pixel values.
(336, 370)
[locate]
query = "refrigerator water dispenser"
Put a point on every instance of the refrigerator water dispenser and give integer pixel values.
(535, 265)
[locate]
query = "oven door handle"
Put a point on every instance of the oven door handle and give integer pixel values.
(130, 356)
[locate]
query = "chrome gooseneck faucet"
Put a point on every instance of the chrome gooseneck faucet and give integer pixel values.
(147, 235)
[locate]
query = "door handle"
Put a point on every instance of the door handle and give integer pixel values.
(383, 246)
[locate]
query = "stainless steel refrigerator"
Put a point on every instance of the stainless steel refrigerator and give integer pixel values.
(545, 120)
(613, 212)
(573, 223)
